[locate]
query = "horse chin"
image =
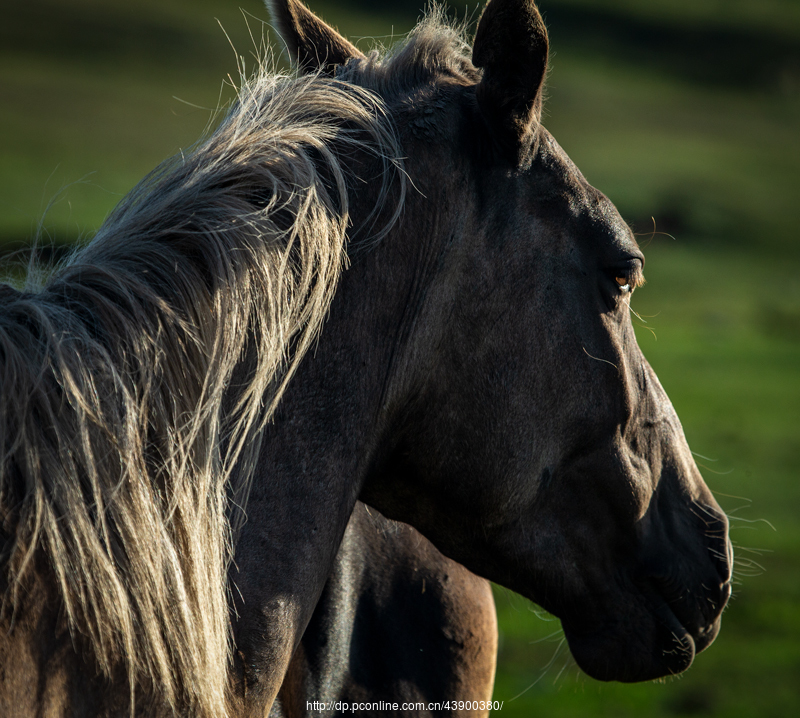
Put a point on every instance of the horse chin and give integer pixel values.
(646, 647)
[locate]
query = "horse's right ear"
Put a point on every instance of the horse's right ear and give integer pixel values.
(312, 44)
(511, 46)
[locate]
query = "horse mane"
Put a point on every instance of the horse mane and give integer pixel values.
(437, 48)
(135, 380)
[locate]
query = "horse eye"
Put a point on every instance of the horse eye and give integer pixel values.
(623, 282)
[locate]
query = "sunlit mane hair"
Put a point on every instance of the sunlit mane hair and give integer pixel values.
(437, 47)
(134, 382)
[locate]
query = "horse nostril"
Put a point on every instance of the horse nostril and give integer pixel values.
(719, 546)
(722, 558)
(726, 591)
(729, 574)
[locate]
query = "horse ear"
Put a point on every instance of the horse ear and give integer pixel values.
(511, 46)
(311, 43)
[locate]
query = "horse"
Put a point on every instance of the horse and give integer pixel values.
(398, 630)
(178, 469)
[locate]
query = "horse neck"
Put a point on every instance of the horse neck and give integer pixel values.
(329, 433)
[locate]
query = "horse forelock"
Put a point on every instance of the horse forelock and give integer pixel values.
(135, 381)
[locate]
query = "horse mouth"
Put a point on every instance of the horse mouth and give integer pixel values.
(658, 636)
(700, 616)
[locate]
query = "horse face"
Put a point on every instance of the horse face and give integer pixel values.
(540, 449)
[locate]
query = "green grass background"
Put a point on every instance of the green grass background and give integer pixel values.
(685, 112)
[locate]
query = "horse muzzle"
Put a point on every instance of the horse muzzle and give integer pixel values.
(654, 622)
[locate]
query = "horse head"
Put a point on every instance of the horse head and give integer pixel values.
(487, 342)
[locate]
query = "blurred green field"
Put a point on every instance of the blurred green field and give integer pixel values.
(687, 114)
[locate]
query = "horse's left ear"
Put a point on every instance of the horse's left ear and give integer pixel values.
(511, 46)
(312, 44)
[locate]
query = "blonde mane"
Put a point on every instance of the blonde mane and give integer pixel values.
(135, 381)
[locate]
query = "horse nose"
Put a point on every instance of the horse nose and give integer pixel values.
(719, 544)
(725, 570)
(720, 551)
(728, 575)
